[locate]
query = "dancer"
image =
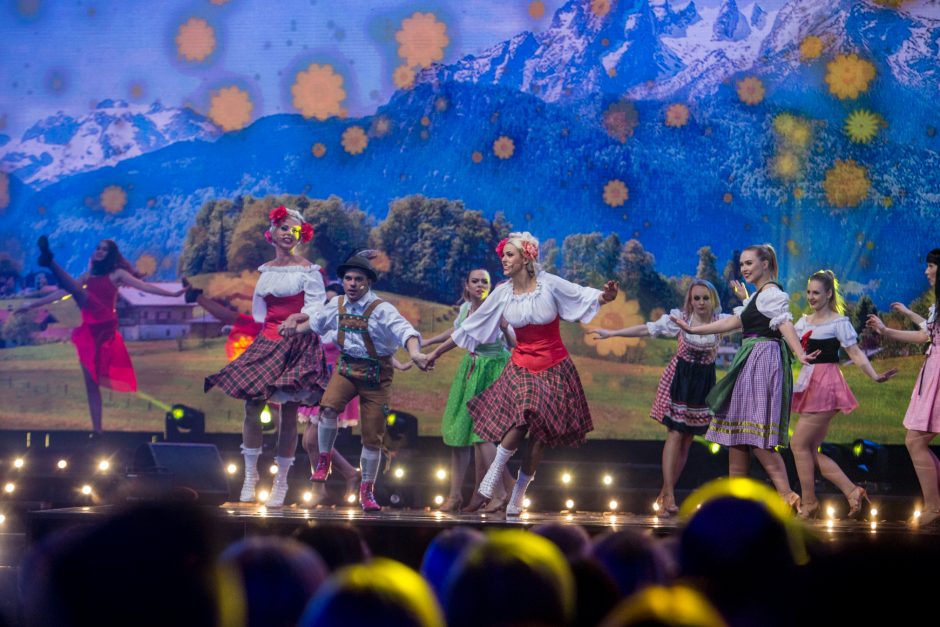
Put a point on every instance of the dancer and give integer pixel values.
(922, 419)
(369, 331)
(752, 402)
(477, 371)
(680, 398)
(101, 350)
(821, 392)
(538, 394)
(287, 371)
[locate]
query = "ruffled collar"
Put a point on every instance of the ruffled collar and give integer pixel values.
(825, 322)
(294, 268)
(527, 295)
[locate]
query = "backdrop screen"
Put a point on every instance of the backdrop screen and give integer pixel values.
(646, 141)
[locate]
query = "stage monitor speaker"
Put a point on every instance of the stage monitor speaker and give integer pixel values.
(190, 471)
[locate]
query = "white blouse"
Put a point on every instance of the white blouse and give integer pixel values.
(286, 281)
(387, 327)
(773, 302)
(840, 328)
(552, 297)
(930, 317)
(666, 327)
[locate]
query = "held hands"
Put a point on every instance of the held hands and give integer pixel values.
(682, 324)
(610, 291)
(601, 334)
(408, 365)
(875, 324)
(884, 376)
(420, 360)
(739, 290)
(289, 326)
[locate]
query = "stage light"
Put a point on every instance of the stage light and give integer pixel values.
(829, 524)
(263, 496)
(104, 465)
(569, 504)
(916, 512)
(526, 503)
(273, 469)
(866, 453)
(607, 480)
(656, 506)
(267, 419)
(399, 472)
(612, 506)
(19, 462)
(874, 525)
(308, 496)
(714, 448)
(874, 512)
(9, 487)
(566, 478)
(182, 422)
(62, 464)
(3, 518)
(831, 511)
(231, 469)
(441, 474)
(86, 489)
(351, 499)
(438, 500)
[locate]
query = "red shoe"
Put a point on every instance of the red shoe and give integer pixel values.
(367, 499)
(324, 465)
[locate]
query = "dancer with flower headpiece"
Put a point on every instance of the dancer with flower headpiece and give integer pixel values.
(538, 397)
(290, 371)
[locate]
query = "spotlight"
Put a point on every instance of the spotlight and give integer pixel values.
(612, 506)
(273, 469)
(402, 429)
(104, 465)
(62, 464)
(184, 423)
(399, 472)
(874, 512)
(866, 454)
(831, 511)
(607, 480)
(566, 478)
(569, 504)
(231, 469)
(308, 496)
(19, 462)
(351, 499)
(656, 506)
(438, 500)
(263, 496)
(441, 474)
(3, 518)
(266, 418)
(526, 503)
(86, 489)
(9, 487)
(714, 448)
(916, 511)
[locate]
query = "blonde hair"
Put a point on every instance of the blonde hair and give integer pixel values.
(830, 284)
(519, 240)
(712, 292)
(766, 252)
(291, 213)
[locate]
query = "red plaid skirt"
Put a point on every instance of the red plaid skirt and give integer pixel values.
(550, 403)
(290, 370)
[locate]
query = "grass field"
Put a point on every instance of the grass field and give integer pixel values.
(41, 387)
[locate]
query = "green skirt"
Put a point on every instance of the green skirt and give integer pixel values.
(475, 374)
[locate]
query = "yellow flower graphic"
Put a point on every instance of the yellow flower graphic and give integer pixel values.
(380, 126)
(750, 90)
(616, 193)
(403, 77)
(113, 199)
(146, 264)
(793, 248)
(354, 140)
(620, 119)
(4, 190)
(504, 147)
(677, 115)
(318, 150)
(536, 9)
(318, 92)
(811, 48)
(477, 156)
(798, 193)
(848, 76)
(230, 108)
(796, 132)
(887, 202)
(615, 315)
(600, 8)
(846, 184)
(195, 40)
(862, 125)
(421, 40)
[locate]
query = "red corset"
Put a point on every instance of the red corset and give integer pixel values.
(539, 347)
(279, 307)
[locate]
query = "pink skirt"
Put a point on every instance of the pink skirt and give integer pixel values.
(827, 391)
(923, 414)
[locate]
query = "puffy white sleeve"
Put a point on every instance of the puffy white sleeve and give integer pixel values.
(484, 323)
(846, 333)
(575, 303)
(800, 326)
(665, 326)
(930, 316)
(314, 292)
(775, 304)
(259, 308)
(461, 314)
(394, 323)
(325, 318)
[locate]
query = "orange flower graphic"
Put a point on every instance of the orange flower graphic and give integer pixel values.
(403, 77)
(677, 115)
(318, 92)
(620, 119)
(354, 140)
(441, 104)
(504, 147)
(318, 150)
(811, 48)
(146, 264)
(846, 184)
(536, 9)
(477, 156)
(727, 198)
(230, 108)
(195, 40)
(617, 314)
(848, 76)
(616, 193)
(421, 40)
(600, 8)
(380, 126)
(113, 199)
(751, 90)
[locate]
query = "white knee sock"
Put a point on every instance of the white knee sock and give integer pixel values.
(369, 461)
(495, 471)
(326, 433)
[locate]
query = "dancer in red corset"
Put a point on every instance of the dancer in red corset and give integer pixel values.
(287, 371)
(101, 350)
(539, 393)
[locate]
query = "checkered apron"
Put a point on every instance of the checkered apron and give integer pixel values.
(680, 397)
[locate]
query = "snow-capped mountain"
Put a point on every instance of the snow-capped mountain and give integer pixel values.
(62, 145)
(758, 17)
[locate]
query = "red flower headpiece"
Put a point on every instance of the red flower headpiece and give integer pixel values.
(529, 249)
(278, 214)
(501, 246)
(306, 232)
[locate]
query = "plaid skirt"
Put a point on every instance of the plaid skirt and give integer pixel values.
(550, 404)
(292, 370)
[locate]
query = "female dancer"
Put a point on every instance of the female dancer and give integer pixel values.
(680, 398)
(101, 350)
(287, 371)
(539, 393)
(922, 419)
(477, 371)
(821, 391)
(752, 403)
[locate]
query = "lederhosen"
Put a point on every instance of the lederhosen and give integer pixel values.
(368, 377)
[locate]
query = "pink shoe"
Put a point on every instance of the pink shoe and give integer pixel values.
(324, 465)
(367, 499)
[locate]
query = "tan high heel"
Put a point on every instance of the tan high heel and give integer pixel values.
(809, 511)
(451, 504)
(855, 499)
(793, 500)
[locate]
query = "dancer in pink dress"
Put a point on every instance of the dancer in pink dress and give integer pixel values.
(101, 349)
(922, 419)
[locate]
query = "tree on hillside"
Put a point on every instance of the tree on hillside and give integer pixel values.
(209, 238)
(590, 258)
(732, 272)
(708, 271)
(249, 249)
(640, 280)
(339, 230)
(548, 256)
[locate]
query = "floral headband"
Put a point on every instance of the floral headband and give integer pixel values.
(304, 232)
(530, 250)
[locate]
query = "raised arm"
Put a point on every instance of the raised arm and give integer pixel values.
(126, 278)
(903, 309)
(911, 337)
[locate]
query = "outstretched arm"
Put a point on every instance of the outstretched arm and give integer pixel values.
(448, 345)
(45, 300)
(639, 330)
(437, 339)
(725, 325)
(911, 337)
(860, 359)
(126, 278)
(903, 309)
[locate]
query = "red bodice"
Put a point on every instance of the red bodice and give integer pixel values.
(539, 346)
(100, 298)
(279, 307)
